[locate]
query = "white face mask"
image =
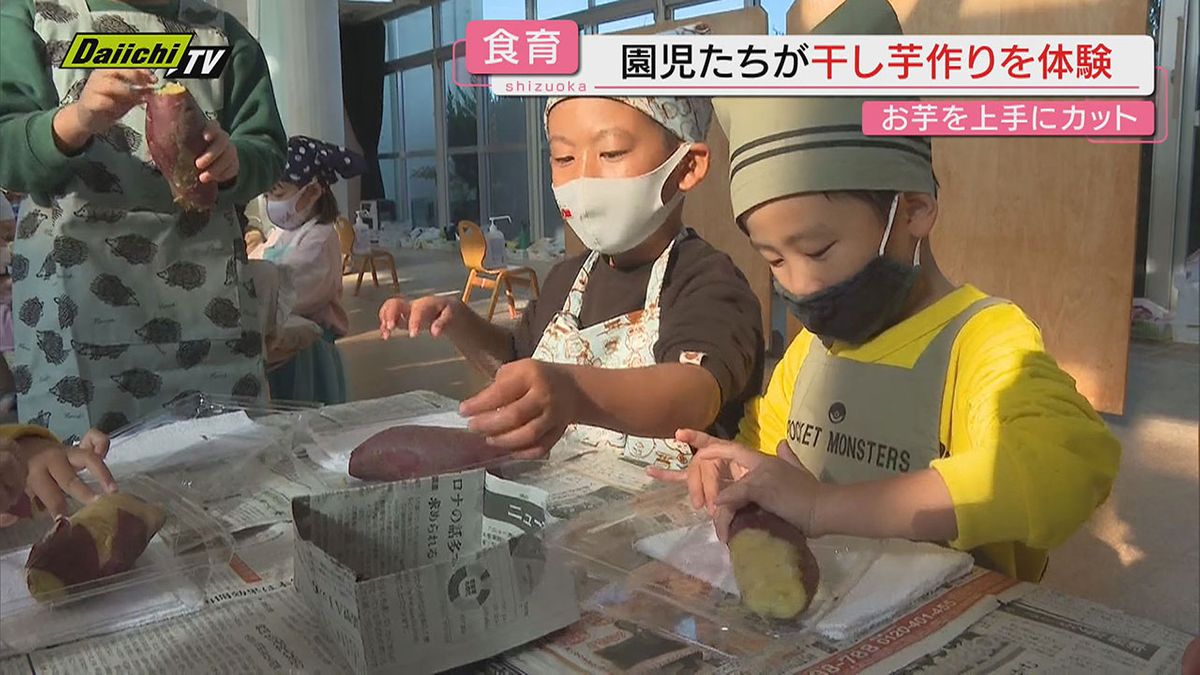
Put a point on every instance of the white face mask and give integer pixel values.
(282, 212)
(614, 215)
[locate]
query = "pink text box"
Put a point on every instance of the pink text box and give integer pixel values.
(1009, 118)
(522, 47)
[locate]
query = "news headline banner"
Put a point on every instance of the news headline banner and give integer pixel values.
(812, 65)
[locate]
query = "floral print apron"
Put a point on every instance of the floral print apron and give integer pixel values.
(625, 341)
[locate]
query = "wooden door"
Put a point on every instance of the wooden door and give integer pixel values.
(1048, 222)
(708, 209)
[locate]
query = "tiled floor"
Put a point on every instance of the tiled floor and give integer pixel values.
(1140, 553)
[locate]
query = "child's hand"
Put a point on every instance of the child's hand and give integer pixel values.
(95, 442)
(12, 480)
(218, 164)
(53, 472)
(434, 314)
(778, 484)
(106, 97)
(707, 475)
(526, 409)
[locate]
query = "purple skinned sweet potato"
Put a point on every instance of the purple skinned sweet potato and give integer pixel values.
(175, 136)
(413, 451)
(775, 569)
(103, 538)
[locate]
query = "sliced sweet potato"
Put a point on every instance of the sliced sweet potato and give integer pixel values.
(103, 538)
(775, 570)
(413, 451)
(175, 135)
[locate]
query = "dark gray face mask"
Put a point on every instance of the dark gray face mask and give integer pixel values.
(863, 306)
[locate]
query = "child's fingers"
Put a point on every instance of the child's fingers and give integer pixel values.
(217, 145)
(497, 395)
(96, 467)
(722, 518)
(666, 475)
(68, 480)
(696, 439)
(96, 442)
(439, 324)
(8, 519)
(710, 483)
(507, 419)
(44, 487)
(784, 451)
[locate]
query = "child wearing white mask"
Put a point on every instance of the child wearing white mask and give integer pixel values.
(303, 210)
(649, 331)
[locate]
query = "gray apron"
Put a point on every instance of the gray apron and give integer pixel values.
(852, 422)
(122, 302)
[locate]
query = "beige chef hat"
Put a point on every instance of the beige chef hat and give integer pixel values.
(688, 117)
(785, 146)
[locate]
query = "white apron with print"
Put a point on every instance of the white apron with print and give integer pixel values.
(625, 341)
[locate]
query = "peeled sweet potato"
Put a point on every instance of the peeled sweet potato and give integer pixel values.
(175, 135)
(775, 570)
(414, 451)
(103, 538)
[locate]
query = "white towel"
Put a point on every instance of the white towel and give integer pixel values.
(332, 449)
(904, 572)
(697, 551)
(864, 583)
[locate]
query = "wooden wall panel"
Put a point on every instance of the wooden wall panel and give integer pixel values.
(708, 209)
(1049, 223)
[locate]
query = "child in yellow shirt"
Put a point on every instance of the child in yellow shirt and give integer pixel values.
(908, 407)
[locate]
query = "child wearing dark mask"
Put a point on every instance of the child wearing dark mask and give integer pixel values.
(909, 407)
(649, 330)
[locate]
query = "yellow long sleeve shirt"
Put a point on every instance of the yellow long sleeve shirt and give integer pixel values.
(1028, 460)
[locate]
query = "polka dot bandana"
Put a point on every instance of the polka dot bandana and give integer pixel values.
(309, 158)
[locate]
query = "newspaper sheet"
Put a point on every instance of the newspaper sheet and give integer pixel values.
(1048, 632)
(927, 627)
(272, 633)
(600, 644)
(431, 574)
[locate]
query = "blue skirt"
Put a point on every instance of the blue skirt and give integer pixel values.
(315, 375)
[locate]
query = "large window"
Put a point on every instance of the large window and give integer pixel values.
(456, 13)
(638, 21)
(409, 34)
(704, 9)
(449, 152)
(548, 9)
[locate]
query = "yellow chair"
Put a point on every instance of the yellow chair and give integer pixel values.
(472, 244)
(347, 237)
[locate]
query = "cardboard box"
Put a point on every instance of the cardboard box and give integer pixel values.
(425, 575)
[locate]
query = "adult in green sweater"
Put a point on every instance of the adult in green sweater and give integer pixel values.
(124, 301)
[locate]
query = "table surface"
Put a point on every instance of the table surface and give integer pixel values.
(255, 622)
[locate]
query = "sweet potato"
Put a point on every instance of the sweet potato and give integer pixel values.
(406, 452)
(175, 136)
(103, 538)
(775, 570)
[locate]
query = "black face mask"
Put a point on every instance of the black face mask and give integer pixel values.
(861, 307)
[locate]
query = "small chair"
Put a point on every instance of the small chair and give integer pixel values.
(472, 244)
(347, 238)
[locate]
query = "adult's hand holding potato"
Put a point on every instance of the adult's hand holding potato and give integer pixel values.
(105, 99)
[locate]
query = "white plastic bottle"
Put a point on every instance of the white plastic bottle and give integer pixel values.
(494, 258)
